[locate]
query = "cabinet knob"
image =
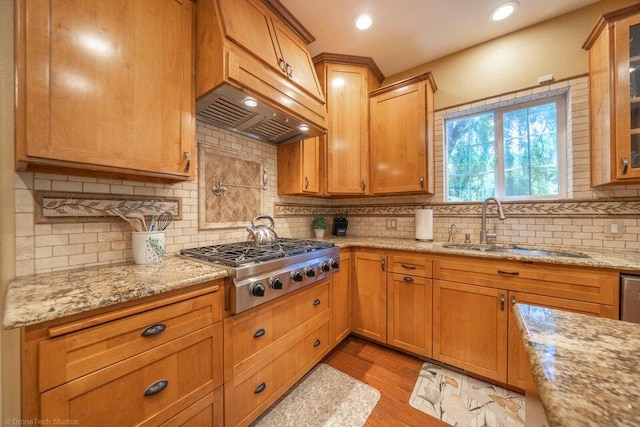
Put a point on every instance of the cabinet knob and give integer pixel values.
(364, 185)
(316, 302)
(513, 299)
(422, 182)
(306, 183)
(156, 387)
(316, 343)
(501, 302)
(625, 165)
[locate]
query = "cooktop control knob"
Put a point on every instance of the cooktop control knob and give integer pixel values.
(296, 276)
(323, 266)
(309, 272)
(275, 283)
(333, 263)
(257, 289)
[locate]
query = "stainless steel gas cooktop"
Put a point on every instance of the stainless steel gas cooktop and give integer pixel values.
(261, 273)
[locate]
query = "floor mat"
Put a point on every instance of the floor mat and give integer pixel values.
(324, 397)
(460, 400)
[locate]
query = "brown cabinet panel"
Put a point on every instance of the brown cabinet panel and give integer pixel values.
(410, 263)
(470, 328)
(88, 80)
(299, 167)
(341, 298)
(402, 140)
(409, 313)
(369, 296)
(207, 412)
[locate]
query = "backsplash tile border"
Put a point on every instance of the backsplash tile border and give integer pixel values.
(68, 207)
(588, 208)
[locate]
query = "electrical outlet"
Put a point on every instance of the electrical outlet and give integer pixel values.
(613, 228)
(392, 223)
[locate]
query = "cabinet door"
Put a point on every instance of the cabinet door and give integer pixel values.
(409, 313)
(627, 35)
(369, 296)
(470, 328)
(299, 167)
(107, 86)
(341, 299)
(348, 134)
(518, 363)
(400, 139)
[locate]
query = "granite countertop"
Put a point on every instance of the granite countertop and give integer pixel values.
(42, 297)
(619, 259)
(585, 367)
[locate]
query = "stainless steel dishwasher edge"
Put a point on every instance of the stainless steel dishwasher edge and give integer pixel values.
(630, 298)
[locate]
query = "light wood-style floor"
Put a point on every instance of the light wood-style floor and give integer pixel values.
(392, 373)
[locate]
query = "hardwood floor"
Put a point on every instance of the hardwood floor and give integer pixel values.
(393, 373)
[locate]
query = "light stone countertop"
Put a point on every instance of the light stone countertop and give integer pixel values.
(42, 297)
(585, 367)
(628, 261)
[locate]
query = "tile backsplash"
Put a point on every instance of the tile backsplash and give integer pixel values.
(49, 247)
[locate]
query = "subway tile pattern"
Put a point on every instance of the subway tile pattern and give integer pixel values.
(580, 220)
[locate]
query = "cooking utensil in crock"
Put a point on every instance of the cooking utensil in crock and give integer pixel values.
(260, 234)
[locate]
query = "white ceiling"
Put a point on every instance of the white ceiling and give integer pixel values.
(407, 33)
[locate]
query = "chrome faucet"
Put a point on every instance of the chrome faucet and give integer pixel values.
(484, 235)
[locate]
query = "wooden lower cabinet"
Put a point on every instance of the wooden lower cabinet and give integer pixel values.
(269, 348)
(518, 364)
(153, 362)
(470, 328)
(341, 299)
(409, 313)
(369, 296)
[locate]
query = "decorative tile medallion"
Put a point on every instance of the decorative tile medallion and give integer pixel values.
(61, 207)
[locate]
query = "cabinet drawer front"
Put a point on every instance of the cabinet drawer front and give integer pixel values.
(247, 396)
(250, 335)
(189, 365)
(415, 265)
(577, 283)
(80, 353)
(207, 412)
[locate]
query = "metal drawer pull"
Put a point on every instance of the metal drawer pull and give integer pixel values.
(306, 182)
(625, 165)
(316, 343)
(187, 156)
(501, 302)
(283, 65)
(422, 182)
(316, 302)
(509, 273)
(408, 279)
(260, 388)
(408, 266)
(154, 330)
(156, 387)
(382, 263)
(259, 333)
(513, 300)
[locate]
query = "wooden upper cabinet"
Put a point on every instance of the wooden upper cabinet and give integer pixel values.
(347, 81)
(402, 137)
(104, 88)
(253, 26)
(299, 167)
(614, 67)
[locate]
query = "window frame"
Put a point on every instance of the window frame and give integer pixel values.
(498, 110)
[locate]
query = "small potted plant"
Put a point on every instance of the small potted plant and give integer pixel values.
(319, 224)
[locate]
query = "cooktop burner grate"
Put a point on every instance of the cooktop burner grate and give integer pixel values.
(238, 254)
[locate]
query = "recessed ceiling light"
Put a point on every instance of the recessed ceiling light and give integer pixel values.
(304, 128)
(504, 10)
(363, 21)
(250, 102)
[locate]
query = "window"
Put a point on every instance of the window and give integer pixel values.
(514, 152)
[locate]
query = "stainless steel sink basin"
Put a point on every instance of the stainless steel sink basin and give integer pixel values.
(516, 250)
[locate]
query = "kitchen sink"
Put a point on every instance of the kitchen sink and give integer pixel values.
(516, 250)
